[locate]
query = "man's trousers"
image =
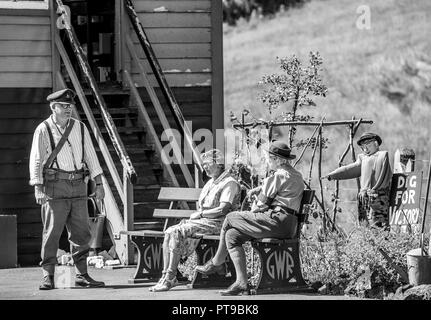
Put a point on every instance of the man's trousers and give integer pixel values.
(374, 208)
(66, 206)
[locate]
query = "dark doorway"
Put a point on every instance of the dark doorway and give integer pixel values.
(94, 25)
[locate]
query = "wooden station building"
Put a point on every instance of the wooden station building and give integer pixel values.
(186, 37)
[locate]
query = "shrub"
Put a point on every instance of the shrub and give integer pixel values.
(354, 264)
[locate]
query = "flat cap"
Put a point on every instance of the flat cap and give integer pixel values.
(64, 95)
(369, 136)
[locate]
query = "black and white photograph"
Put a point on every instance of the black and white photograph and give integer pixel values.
(217, 158)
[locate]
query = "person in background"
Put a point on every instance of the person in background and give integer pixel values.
(375, 173)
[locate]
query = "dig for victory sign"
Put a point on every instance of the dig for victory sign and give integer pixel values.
(404, 201)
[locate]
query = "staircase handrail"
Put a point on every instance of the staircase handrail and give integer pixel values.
(100, 102)
(156, 103)
(161, 80)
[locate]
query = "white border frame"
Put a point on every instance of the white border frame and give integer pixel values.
(41, 5)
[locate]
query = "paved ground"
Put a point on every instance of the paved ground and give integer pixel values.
(23, 283)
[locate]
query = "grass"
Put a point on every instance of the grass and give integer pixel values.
(382, 74)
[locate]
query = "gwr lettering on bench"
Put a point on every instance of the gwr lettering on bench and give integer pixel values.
(280, 262)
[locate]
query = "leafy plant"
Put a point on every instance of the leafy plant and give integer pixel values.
(297, 84)
(354, 264)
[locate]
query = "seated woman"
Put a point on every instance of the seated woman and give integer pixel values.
(272, 215)
(220, 195)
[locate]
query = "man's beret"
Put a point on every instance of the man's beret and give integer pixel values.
(369, 136)
(64, 95)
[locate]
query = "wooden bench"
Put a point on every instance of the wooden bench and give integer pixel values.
(280, 269)
(280, 266)
(149, 243)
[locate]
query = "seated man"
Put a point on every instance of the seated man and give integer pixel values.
(272, 216)
(219, 196)
(375, 171)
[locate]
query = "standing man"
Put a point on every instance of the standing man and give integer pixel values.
(62, 160)
(375, 172)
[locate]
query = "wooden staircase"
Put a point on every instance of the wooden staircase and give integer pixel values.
(133, 171)
(140, 149)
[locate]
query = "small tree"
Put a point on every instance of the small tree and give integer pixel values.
(296, 85)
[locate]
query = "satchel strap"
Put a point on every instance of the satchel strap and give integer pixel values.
(51, 142)
(56, 148)
(82, 142)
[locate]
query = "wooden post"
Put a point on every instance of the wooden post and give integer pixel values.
(198, 177)
(55, 60)
(320, 141)
(425, 208)
(270, 134)
(308, 143)
(312, 160)
(321, 206)
(299, 123)
(119, 39)
(337, 183)
(352, 134)
(217, 65)
(128, 215)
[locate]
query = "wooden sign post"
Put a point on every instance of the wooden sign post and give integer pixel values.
(404, 202)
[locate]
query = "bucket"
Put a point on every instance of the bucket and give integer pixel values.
(96, 229)
(96, 223)
(419, 267)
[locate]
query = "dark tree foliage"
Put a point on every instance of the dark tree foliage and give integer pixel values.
(236, 9)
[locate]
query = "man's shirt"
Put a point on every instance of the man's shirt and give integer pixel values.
(374, 171)
(283, 188)
(70, 156)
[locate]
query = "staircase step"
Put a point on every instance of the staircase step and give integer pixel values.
(116, 111)
(109, 89)
(133, 149)
(144, 210)
(146, 193)
(126, 130)
(148, 225)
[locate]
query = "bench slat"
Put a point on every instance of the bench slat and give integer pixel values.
(179, 194)
(145, 233)
(208, 236)
(172, 213)
(274, 240)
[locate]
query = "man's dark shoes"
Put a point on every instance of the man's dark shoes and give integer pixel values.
(47, 283)
(236, 289)
(210, 268)
(84, 280)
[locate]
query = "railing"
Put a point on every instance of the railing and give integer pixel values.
(161, 80)
(125, 189)
(156, 103)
